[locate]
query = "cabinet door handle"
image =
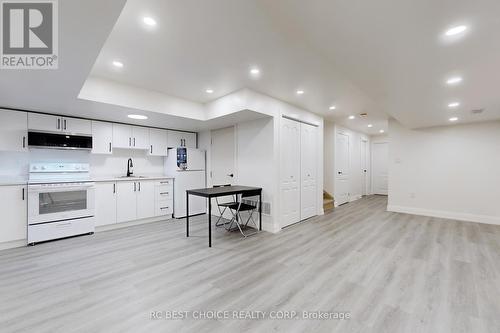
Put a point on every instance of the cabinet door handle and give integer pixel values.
(130, 142)
(151, 149)
(163, 207)
(58, 123)
(135, 186)
(134, 142)
(114, 188)
(139, 187)
(163, 193)
(24, 142)
(23, 193)
(110, 147)
(64, 124)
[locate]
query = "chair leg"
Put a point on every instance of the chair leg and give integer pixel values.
(220, 217)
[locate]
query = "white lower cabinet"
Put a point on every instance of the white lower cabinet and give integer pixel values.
(14, 208)
(126, 201)
(105, 203)
(145, 199)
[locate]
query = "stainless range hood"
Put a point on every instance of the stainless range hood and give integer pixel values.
(59, 141)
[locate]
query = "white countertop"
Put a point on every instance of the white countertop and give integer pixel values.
(20, 180)
(13, 180)
(139, 177)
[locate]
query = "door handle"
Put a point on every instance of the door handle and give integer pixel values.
(114, 188)
(23, 193)
(64, 124)
(151, 148)
(130, 142)
(139, 186)
(58, 123)
(134, 142)
(110, 147)
(231, 175)
(340, 172)
(24, 142)
(135, 186)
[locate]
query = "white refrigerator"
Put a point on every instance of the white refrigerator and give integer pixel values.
(187, 165)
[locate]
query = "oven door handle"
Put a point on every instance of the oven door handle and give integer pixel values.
(38, 188)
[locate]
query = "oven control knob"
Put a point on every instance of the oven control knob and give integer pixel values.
(34, 168)
(43, 168)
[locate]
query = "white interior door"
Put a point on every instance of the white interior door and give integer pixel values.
(364, 167)
(308, 148)
(290, 172)
(342, 167)
(223, 163)
(380, 158)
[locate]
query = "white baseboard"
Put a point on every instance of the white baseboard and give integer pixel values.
(13, 244)
(445, 214)
(355, 197)
(132, 223)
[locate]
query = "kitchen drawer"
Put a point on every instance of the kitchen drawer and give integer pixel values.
(164, 192)
(164, 208)
(166, 182)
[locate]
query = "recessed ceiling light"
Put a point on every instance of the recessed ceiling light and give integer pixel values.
(137, 116)
(352, 117)
(456, 30)
(454, 105)
(453, 119)
(209, 91)
(454, 80)
(255, 71)
(149, 21)
(370, 125)
(117, 63)
(300, 92)
(381, 131)
(333, 107)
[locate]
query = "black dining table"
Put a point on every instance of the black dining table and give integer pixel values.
(222, 191)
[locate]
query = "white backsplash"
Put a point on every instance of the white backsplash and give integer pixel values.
(16, 164)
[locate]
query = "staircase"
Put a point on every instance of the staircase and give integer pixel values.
(327, 202)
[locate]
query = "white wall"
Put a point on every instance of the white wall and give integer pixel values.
(16, 164)
(449, 172)
(254, 156)
(247, 99)
(356, 171)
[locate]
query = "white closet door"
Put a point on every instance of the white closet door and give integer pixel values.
(290, 172)
(308, 150)
(341, 168)
(380, 157)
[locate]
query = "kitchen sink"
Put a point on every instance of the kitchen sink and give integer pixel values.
(132, 177)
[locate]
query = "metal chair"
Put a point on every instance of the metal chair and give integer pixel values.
(223, 204)
(241, 206)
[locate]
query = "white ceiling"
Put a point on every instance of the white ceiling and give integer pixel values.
(213, 44)
(385, 57)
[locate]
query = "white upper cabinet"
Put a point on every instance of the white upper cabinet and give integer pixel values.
(44, 122)
(76, 126)
(132, 137)
(122, 136)
(102, 137)
(13, 130)
(49, 123)
(157, 142)
(140, 137)
(181, 139)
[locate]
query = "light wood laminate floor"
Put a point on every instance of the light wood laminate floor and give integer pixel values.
(392, 272)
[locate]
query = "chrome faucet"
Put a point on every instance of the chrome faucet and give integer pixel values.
(130, 170)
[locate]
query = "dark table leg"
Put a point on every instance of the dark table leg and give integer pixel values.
(260, 211)
(209, 222)
(187, 214)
